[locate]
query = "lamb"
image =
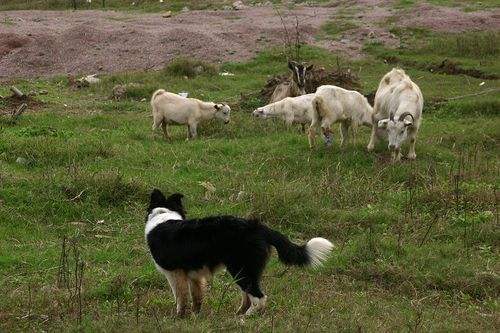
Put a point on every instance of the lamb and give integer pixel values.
(397, 110)
(294, 110)
(170, 108)
(333, 104)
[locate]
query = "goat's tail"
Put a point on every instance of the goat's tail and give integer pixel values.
(313, 253)
(319, 109)
(155, 94)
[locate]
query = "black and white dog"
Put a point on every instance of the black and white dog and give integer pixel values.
(189, 251)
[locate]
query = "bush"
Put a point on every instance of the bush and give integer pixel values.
(190, 68)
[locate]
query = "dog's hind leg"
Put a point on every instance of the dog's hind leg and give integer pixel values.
(257, 299)
(197, 289)
(180, 287)
(248, 280)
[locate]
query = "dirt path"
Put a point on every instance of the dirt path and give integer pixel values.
(44, 43)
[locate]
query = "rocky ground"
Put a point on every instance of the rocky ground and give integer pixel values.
(45, 43)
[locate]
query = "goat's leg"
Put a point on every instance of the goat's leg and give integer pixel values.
(303, 128)
(192, 130)
(344, 132)
(164, 127)
(157, 122)
(311, 136)
(373, 138)
(411, 152)
(396, 155)
(327, 134)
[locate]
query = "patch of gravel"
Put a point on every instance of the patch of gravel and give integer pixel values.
(95, 41)
(451, 19)
(46, 43)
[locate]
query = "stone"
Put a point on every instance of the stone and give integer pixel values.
(238, 5)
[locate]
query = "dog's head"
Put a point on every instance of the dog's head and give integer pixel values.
(173, 202)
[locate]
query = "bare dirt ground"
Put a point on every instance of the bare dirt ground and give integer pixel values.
(45, 43)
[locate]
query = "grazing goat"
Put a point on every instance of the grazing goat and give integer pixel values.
(397, 110)
(333, 104)
(169, 108)
(293, 110)
(296, 86)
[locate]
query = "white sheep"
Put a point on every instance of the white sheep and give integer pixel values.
(397, 110)
(170, 108)
(293, 110)
(333, 104)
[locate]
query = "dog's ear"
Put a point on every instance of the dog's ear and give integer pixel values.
(157, 199)
(174, 203)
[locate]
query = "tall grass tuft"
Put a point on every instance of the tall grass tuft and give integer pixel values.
(190, 68)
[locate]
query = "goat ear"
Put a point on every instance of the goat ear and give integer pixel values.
(291, 65)
(308, 68)
(217, 106)
(383, 123)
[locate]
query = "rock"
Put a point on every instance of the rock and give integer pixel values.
(120, 91)
(240, 195)
(238, 5)
(88, 80)
(21, 160)
(371, 34)
(199, 70)
(185, 9)
(227, 8)
(167, 14)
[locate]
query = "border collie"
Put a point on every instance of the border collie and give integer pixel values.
(189, 251)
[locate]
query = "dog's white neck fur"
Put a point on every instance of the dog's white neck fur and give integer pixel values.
(160, 215)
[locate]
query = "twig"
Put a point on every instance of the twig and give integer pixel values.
(17, 92)
(78, 196)
(19, 111)
(286, 41)
(470, 95)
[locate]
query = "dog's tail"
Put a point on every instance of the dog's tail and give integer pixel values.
(314, 253)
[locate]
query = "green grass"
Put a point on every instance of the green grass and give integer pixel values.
(334, 28)
(405, 3)
(143, 5)
(466, 4)
(416, 243)
(421, 48)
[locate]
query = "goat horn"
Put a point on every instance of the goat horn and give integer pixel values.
(404, 114)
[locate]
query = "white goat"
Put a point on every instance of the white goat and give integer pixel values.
(333, 104)
(169, 108)
(398, 110)
(293, 110)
